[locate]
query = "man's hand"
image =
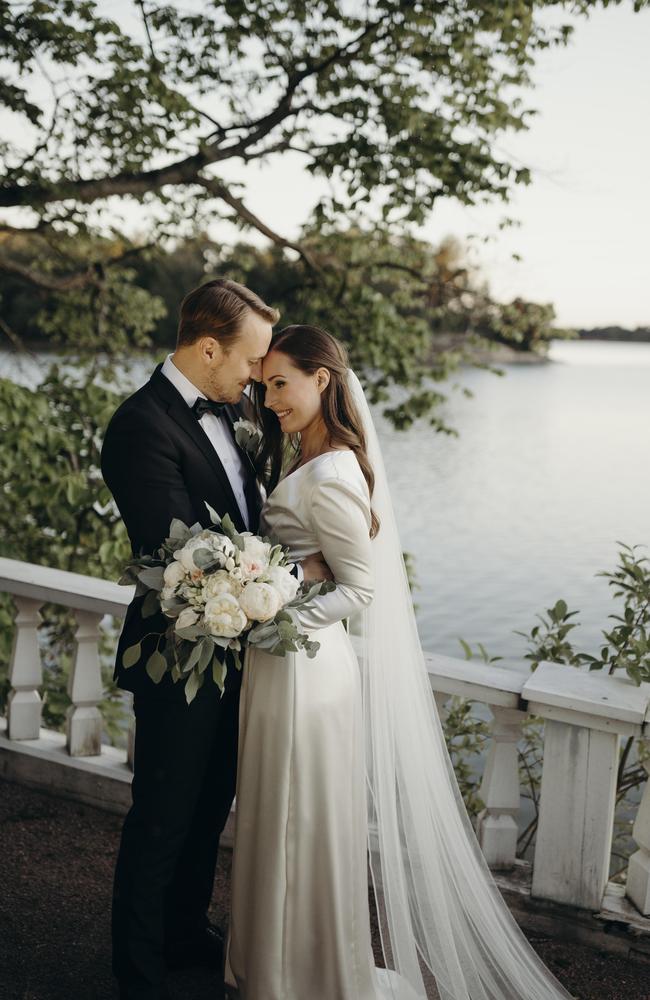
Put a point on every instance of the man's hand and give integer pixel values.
(315, 569)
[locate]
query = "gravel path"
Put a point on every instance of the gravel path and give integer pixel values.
(56, 869)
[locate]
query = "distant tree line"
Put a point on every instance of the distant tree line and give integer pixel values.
(641, 334)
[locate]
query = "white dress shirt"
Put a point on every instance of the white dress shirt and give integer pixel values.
(219, 435)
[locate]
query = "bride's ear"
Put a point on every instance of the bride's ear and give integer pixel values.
(322, 379)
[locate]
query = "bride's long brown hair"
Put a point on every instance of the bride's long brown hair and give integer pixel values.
(310, 348)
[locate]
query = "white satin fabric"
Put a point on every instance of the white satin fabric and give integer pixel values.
(300, 927)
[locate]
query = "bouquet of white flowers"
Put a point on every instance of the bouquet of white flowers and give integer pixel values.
(218, 588)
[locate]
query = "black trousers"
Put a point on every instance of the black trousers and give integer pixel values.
(184, 777)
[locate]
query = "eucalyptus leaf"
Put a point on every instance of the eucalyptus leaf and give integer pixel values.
(219, 671)
(156, 666)
(152, 577)
(131, 655)
(150, 605)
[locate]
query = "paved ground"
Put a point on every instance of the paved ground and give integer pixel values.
(56, 866)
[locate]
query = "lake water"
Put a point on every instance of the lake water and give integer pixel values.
(551, 467)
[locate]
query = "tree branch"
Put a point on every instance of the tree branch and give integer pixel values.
(219, 190)
(188, 170)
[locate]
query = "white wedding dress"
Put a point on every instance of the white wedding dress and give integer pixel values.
(334, 747)
(300, 926)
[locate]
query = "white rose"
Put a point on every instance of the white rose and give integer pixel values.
(223, 616)
(221, 583)
(186, 618)
(286, 584)
(173, 575)
(260, 601)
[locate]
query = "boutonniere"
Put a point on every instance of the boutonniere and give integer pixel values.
(248, 437)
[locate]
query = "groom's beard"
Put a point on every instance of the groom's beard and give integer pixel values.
(222, 390)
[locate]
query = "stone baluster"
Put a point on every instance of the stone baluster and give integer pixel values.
(586, 714)
(84, 720)
(497, 828)
(638, 873)
(24, 703)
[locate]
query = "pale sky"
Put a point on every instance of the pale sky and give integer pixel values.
(585, 219)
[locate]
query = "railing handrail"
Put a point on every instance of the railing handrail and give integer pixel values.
(73, 590)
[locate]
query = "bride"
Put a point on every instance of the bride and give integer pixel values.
(342, 758)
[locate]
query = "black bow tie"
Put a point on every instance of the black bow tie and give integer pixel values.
(203, 406)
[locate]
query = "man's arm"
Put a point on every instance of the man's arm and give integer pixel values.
(143, 472)
(315, 569)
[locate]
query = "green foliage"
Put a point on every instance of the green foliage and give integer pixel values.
(626, 648)
(56, 511)
(627, 645)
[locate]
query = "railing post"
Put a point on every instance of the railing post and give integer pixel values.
(585, 713)
(83, 718)
(638, 873)
(24, 705)
(497, 829)
(576, 814)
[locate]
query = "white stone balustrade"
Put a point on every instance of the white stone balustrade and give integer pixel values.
(638, 873)
(90, 599)
(585, 715)
(25, 673)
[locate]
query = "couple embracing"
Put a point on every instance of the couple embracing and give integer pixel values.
(338, 762)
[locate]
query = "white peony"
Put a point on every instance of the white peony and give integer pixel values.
(223, 616)
(255, 557)
(286, 584)
(185, 556)
(260, 601)
(221, 582)
(186, 618)
(173, 575)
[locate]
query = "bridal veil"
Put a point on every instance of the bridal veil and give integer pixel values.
(439, 907)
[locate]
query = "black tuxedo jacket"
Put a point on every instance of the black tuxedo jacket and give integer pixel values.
(159, 463)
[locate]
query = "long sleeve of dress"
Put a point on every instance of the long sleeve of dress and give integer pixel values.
(341, 523)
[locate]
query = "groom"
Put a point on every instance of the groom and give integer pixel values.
(168, 448)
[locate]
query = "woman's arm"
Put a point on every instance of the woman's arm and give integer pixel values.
(341, 523)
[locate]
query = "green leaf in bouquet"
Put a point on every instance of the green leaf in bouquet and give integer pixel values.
(176, 673)
(206, 653)
(260, 632)
(311, 648)
(178, 529)
(231, 532)
(192, 632)
(276, 556)
(221, 640)
(287, 630)
(192, 685)
(152, 577)
(150, 605)
(219, 673)
(236, 659)
(131, 655)
(156, 667)
(192, 659)
(204, 559)
(214, 517)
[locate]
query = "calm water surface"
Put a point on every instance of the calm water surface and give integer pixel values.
(551, 467)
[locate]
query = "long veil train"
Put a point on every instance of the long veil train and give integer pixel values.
(438, 903)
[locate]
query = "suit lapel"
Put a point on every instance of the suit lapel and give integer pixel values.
(180, 412)
(251, 488)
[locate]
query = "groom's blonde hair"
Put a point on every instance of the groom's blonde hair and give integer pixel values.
(216, 309)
